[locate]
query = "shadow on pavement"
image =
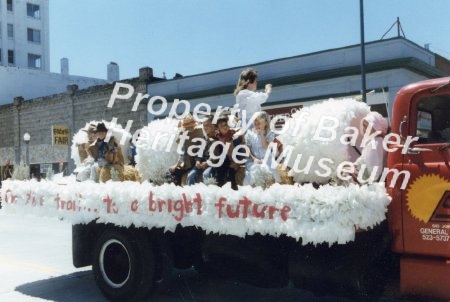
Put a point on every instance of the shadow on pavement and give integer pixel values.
(79, 286)
(186, 285)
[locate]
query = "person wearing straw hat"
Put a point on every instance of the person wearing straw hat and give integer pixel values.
(189, 127)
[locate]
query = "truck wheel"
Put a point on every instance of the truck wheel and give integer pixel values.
(124, 265)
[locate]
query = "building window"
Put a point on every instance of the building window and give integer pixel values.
(10, 31)
(34, 61)
(34, 35)
(10, 57)
(9, 5)
(33, 11)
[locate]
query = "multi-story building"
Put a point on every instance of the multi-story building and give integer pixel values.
(25, 54)
(24, 34)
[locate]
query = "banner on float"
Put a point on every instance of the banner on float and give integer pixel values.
(327, 214)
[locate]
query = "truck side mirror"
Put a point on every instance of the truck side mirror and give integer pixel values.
(400, 129)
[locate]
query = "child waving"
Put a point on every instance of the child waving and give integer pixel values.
(248, 100)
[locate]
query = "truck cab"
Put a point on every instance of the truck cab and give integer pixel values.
(419, 215)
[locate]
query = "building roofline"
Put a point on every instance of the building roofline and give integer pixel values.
(300, 56)
(409, 63)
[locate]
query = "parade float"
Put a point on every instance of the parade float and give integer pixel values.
(309, 209)
(319, 227)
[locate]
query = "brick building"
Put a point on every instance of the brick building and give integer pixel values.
(71, 109)
(25, 54)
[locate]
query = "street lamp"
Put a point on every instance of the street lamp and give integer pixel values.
(26, 138)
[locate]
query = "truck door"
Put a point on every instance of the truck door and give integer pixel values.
(426, 201)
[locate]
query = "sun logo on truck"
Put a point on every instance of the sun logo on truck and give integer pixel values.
(428, 198)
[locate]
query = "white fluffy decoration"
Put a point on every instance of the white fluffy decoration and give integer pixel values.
(259, 175)
(152, 160)
(79, 138)
(349, 112)
(328, 214)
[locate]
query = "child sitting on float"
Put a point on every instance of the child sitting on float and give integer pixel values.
(107, 155)
(227, 171)
(258, 171)
(187, 127)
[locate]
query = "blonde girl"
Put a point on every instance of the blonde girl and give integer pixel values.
(258, 140)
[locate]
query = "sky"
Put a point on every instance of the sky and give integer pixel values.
(197, 36)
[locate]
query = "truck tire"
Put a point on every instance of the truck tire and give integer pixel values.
(124, 264)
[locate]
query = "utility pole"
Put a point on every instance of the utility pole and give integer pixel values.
(363, 52)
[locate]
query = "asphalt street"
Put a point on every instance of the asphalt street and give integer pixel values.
(36, 265)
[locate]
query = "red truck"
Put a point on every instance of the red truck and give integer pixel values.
(419, 217)
(127, 261)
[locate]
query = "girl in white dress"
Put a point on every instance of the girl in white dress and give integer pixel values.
(249, 101)
(257, 171)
